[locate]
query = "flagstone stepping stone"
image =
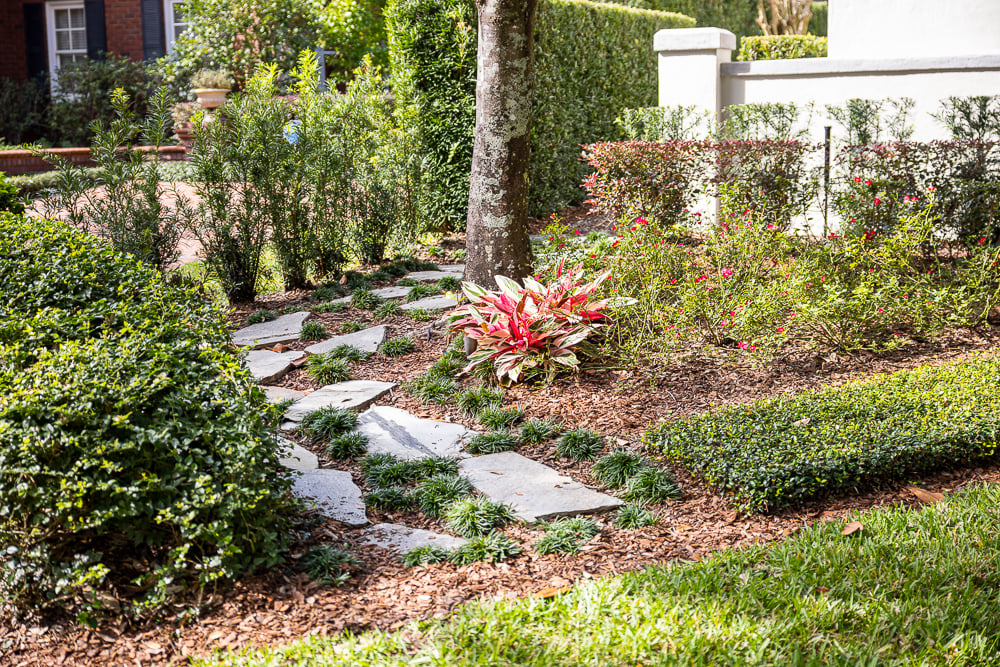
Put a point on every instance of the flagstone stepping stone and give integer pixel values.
(279, 394)
(353, 395)
(267, 366)
(334, 494)
(428, 276)
(392, 292)
(397, 432)
(296, 456)
(401, 539)
(532, 490)
(281, 330)
(431, 303)
(366, 340)
(452, 268)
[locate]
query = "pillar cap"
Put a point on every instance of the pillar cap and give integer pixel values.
(693, 39)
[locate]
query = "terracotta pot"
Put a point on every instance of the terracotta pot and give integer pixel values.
(210, 98)
(185, 133)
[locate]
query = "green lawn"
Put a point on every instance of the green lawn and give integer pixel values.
(913, 588)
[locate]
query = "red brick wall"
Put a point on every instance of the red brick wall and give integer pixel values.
(13, 63)
(123, 22)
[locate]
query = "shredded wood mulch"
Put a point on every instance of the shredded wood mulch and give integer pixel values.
(282, 604)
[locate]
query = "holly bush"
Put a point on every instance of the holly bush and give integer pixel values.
(136, 464)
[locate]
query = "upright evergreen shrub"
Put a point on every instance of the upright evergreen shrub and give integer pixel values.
(135, 462)
(782, 47)
(591, 61)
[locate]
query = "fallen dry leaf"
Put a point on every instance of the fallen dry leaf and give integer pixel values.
(551, 592)
(925, 496)
(851, 528)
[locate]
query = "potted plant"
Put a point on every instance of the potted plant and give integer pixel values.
(183, 127)
(210, 86)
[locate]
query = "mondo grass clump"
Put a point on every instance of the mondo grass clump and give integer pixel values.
(492, 548)
(259, 316)
(387, 309)
(493, 442)
(615, 469)
(328, 565)
(365, 299)
(474, 401)
(347, 352)
(421, 292)
(386, 470)
(438, 491)
(420, 315)
(650, 486)
(328, 423)
(566, 536)
(580, 444)
(634, 515)
(347, 446)
(329, 307)
(431, 388)
(397, 347)
(350, 326)
(476, 517)
(537, 431)
(449, 284)
(312, 331)
(328, 368)
(498, 418)
(426, 555)
(389, 499)
(782, 451)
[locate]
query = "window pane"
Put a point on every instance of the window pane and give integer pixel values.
(62, 19)
(178, 10)
(62, 40)
(79, 39)
(77, 18)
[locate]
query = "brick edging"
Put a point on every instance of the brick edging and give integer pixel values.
(18, 162)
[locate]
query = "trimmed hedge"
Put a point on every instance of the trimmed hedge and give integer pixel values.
(135, 462)
(736, 16)
(782, 47)
(782, 451)
(592, 60)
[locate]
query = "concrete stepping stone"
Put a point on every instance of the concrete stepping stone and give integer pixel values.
(353, 395)
(534, 491)
(295, 456)
(401, 539)
(279, 394)
(366, 340)
(281, 330)
(397, 432)
(391, 292)
(430, 303)
(334, 494)
(429, 276)
(268, 366)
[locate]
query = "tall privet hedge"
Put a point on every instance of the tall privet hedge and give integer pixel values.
(135, 462)
(592, 60)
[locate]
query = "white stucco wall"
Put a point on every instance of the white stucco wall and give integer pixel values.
(913, 28)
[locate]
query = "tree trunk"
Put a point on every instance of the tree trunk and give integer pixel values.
(497, 229)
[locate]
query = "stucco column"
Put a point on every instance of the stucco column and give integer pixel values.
(688, 66)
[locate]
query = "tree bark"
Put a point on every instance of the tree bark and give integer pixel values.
(497, 227)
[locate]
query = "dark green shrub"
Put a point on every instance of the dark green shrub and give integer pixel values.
(566, 536)
(782, 47)
(650, 485)
(493, 548)
(618, 467)
(328, 423)
(580, 444)
(779, 452)
(347, 446)
(327, 565)
(397, 347)
(22, 110)
(312, 331)
(432, 47)
(491, 443)
(476, 517)
(328, 368)
(10, 200)
(438, 491)
(634, 515)
(150, 466)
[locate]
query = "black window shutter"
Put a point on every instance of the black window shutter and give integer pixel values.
(97, 42)
(152, 30)
(37, 55)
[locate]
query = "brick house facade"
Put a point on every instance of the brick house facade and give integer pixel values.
(36, 35)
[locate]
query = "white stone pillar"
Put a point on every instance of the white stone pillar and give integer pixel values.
(688, 66)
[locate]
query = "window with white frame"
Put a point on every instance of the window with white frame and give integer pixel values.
(66, 25)
(174, 21)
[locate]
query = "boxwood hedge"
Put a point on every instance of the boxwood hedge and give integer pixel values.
(781, 451)
(135, 461)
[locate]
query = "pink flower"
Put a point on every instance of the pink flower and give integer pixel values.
(857, 179)
(780, 329)
(877, 201)
(881, 310)
(576, 231)
(770, 226)
(726, 272)
(868, 182)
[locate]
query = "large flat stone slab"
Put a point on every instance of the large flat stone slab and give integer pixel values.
(401, 539)
(334, 494)
(397, 432)
(366, 340)
(281, 330)
(268, 366)
(429, 276)
(353, 395)
(279, 394)
(391, 292)
(431, 303)
(295, 456)
(452, 268)
(534, 491)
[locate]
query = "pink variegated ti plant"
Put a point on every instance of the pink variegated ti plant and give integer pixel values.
(530, 329)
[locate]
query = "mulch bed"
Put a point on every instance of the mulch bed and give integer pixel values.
(282, 604)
